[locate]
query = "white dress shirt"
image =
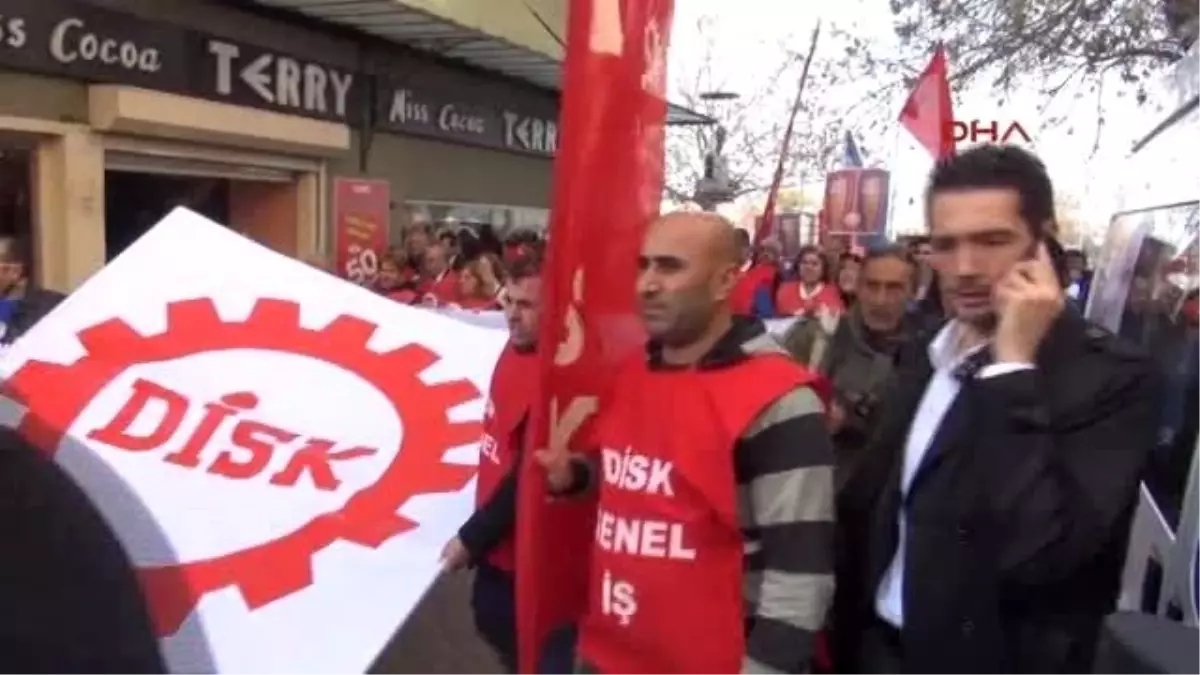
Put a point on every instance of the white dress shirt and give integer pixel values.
(945, 355)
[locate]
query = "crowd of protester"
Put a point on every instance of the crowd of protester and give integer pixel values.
(933, 468)
(979, 441)
(461, 268)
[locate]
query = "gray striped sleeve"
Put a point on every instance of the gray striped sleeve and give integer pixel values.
(784, 464)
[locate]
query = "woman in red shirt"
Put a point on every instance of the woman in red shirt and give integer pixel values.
(479, 284)
(812, 293)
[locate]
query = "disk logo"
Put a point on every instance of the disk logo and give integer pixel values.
(292, 492)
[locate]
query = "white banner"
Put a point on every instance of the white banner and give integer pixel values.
(291, 450)
(496, 321)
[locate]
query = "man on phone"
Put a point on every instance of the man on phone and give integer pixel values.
(988, 529)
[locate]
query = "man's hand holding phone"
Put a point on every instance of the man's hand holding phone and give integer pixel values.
(1028, 300)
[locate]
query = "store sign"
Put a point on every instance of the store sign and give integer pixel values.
(532, 134)
(71, 39)
(252, 76)
(361, 213)
(68, 38)
(460, 117)
(84, 42)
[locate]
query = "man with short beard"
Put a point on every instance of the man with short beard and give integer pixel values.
(714, 539)
(486, 539)
(987, 527)
(859, 355)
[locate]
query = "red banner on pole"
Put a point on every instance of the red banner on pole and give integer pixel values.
(608, 178)
(929, 110)
(361, 213)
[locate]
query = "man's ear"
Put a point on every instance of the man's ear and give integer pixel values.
(725, 279)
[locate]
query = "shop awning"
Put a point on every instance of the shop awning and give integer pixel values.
(517, 41)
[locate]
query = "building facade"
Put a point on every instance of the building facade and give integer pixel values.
(112, 112)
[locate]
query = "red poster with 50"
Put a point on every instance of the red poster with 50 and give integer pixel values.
(361, 213)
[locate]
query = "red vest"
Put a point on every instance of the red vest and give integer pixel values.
(444, 290)
(788, 301)
(666, 582)
(509, 398)
(479, 304)
(405, 296)
(758, 276)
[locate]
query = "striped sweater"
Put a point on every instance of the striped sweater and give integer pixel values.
(783, 464)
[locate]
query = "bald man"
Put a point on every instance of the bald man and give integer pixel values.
(714, 538)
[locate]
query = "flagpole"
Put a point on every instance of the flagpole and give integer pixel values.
(768, 218)
(892, 173)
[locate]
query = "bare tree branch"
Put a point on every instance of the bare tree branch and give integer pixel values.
(1010, 44)
(843, 93)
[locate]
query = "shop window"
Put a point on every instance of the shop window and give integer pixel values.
(16, 195)
(135, 201)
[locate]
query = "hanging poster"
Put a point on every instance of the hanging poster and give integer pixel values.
(856, 203)
(361, 215)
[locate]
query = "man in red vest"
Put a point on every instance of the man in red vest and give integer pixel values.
(714, 540)
(486, 540)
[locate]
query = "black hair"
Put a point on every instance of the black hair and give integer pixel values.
(525, 267)
(468, 246)
(998, 166)
(890, 251)
(743, 237)
(893, 252)
(489, 242)
(814, 250)
(1058, 260)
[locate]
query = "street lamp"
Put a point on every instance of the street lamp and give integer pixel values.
(715, 187)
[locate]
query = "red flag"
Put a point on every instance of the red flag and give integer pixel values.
(608, 178)
(928, 113)
(767, 224)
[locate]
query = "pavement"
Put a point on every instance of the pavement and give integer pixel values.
(440, 636)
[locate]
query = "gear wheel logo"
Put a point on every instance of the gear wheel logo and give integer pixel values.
(56, 395)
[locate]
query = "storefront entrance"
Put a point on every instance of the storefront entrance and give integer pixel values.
(16, 196)
(261, 203)
(134, 202)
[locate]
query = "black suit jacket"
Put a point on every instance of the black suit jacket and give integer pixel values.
(1019, 515)
(69, 599)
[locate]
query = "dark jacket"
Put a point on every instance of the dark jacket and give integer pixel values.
(789, 545)
(37, 303)
(1018, 518)
(69, 599)
(859, 368)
